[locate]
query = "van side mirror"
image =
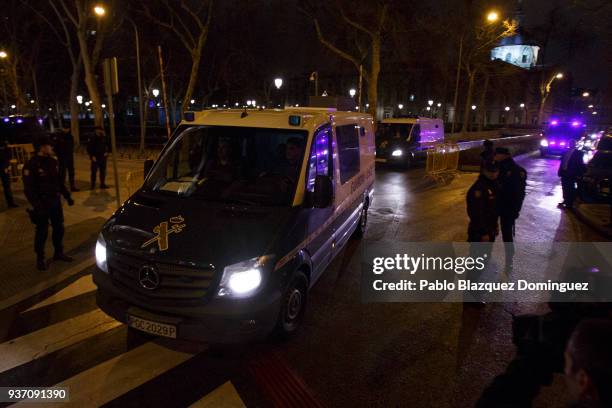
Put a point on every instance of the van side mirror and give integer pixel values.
(148, 165)
(323, 192)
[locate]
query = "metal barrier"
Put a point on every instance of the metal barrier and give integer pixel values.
(134, 180)
(20, 154)
(442, 161)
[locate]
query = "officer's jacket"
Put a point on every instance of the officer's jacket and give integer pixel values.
(512, 182)
(481, 206)
(63, 144)
(5, 156)
(97, 147)
(41, 182)
(572, 164)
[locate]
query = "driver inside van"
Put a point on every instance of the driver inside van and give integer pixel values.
(222, 167)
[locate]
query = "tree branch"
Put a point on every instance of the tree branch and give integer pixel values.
(333, 48)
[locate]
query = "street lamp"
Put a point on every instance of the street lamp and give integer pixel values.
(278, 82)
(192, 101)
(473, 107)
(586, 94)
(439, 104)
(155, 92)
(430, 102)
(99, 10)
(559, 75)
(507, 108)
(400, 106)
(522, 105)
(352, 92)
(3, 54)
(492, 16)
(79, 99)
(590, 106)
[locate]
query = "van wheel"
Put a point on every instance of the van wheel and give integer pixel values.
(363, 222)
(293, 306)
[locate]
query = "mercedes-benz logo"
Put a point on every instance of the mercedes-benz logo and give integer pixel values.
(148, 277)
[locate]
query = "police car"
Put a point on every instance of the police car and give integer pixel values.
(239, 216)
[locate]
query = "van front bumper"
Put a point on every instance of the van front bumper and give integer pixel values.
(216, 321)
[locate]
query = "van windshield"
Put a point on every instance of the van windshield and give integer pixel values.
(231, 164)
(394, 131)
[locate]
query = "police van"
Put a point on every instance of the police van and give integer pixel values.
(403, 141)
(239, 216)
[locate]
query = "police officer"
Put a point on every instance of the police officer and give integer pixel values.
(98, 152)
(488, 152)
(42, 187)
(63, 144)
(512, 182)
(572, 167)
(482, 205)
(5, 159)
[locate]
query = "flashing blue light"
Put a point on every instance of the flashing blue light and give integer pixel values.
(19, 120)
(575, 123)
(554, 122)
(6, 120)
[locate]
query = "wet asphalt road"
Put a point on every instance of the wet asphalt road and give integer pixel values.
(347, 353)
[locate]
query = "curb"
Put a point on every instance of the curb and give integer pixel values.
(20, 297)
(586, 220)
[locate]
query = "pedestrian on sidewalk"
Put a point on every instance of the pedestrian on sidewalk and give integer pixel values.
(43, 187)
(512, 185)
(63, 145)
(5, 161)
(97, 148)
(571, 169)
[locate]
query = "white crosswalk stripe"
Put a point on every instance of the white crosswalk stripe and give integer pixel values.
(109, 379)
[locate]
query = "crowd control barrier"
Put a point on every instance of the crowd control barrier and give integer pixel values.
(442, 161)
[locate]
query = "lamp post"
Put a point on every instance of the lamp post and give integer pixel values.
(3, 56)
(352, 92)
(314, 76)
(545, 91)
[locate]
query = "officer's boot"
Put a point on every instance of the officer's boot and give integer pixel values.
(41, 264)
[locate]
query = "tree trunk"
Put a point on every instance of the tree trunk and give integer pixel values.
(91, 80)
(74, 106)
(542, 105)
(468, 101)
(482, 104)
(373, 78)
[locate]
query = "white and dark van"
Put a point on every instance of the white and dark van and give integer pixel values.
(236, 220)
(402, 141)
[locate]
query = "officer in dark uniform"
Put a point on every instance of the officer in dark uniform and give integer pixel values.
(98, 152)
(63, 145)
(572, 167)
(512, 183)
(5, 159)
(482, 205)
(43, 187)
(488, 152)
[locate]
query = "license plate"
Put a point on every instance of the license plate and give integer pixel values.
(148, 326)
(381, 160)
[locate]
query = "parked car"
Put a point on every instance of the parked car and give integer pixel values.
(596, 183)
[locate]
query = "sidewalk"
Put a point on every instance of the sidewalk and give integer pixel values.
(83, 222)
(597, 216)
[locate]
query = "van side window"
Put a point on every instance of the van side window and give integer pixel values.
(318, 162)
(348, 151)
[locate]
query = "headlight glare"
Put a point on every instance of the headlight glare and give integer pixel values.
(101, 254)
(242, 279)
(396, 153)
(544, 143)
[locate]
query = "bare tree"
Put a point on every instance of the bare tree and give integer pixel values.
(190, 22)
(80, 16)
(367, 38)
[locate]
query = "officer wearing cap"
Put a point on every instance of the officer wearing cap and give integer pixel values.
(512, 182)
(481, 205)
(43, 187)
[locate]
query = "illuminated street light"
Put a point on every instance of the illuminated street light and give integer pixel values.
(3, 54)
(87, 103)
(103, 106)
(352, 92)
(400, 106)
(428, 108)
(594, 112)
(13, 106)
(248, 102)
(586, 94)
(507, 108)
(278, 82)
(559, 75)
(522, 105)
(192, 101)
(99, 10)
(430, 102)
(253, 102)
(492, 16)
(439, 104)
(590, 106)
(155, 92)
(236, 104)
(473, 107)
(32, 101)
(79, 99)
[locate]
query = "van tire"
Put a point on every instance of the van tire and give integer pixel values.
(293, 306)
(363, 222)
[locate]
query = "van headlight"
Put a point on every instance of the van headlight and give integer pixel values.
(101, 254)
(242, 279)
(397, 153)
(544, 143)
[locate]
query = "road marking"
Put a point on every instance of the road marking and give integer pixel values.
(224, 396)
(78, 287)
(19, 297)
(113, 378)
(38, 344)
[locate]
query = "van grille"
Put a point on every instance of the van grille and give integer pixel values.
(176, 282)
